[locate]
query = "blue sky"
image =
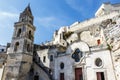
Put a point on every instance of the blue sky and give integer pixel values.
(49, 15)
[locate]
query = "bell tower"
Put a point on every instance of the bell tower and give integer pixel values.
(20, 53)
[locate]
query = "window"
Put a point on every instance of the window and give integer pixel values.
(16, 46)
(2, 50)
(51, 57)
(19, 33)
(44, 58)
(77, 55)
(100, 76)
(30, 35)
(98, 62)
(30, 21)
(39, 59)
(62, 65)
(98, 42)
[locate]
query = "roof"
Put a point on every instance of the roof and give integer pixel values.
(27, 11)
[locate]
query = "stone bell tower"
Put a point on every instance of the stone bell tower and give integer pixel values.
(20, 53)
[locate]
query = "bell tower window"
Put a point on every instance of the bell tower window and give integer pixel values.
(19, 33)
(30, 36)
(16, 46)
(30, 21)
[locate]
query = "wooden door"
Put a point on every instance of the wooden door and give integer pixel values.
(61, 76)
(100, 76)
(78, 74)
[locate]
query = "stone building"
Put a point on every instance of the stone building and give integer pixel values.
(20, 53)
(88, 50)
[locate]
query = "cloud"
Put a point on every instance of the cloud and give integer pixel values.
(80, 6)
(7, 18)
(47, 21)
(51, 21)
(73, 4)
(8, 14)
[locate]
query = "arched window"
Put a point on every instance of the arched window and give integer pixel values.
(31, 21)
(30, 36)
(51, 57)
(19, 32)
(62, 65)
(16, 46)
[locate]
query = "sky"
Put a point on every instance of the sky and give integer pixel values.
(49, 15)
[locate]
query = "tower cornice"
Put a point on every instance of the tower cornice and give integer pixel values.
(25, 23)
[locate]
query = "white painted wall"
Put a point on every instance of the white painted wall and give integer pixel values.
(89, 69)
(107, 66)
(68, 67)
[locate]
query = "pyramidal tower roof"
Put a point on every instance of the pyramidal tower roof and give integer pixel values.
(27, 12)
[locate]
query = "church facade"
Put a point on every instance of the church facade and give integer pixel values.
(88, 50)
